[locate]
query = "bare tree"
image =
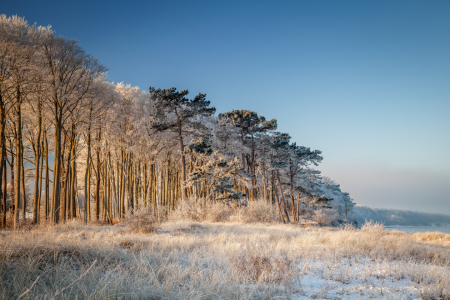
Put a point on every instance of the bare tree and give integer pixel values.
(69, 73)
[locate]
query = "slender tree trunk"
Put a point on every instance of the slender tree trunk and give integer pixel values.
(24, 191)
(64, 182)
(177, 180)
(47, 179)
(56, 195)
(145, 185)
(97, 192)
(253, 170)
(40, 183)
(183, 162)
(122, 186)
(154, 184)
(137, 183)
(264, 176)
(278, 203)
(291, 179)
(69, 190)
(37, 157)
(157, 189)
(12, 168)
(2, 157)
(73, 187)
(282, 196)
(18, 162)
(88, 203)
(64, 189)
(5, 192)
(108, 189)
(105, 189)
(130, 184)
(166, 184)
(114, 184)
(87, 185)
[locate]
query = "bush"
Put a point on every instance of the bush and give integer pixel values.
(144, 220)
(326, 217)
(201, 210)
(371, 225)
(256, 212)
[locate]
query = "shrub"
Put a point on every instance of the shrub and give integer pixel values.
(371, 225)
(326, 217)
(144, 220)
(256, 212)
(201, 210)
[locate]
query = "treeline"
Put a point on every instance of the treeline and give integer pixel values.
(74, 145)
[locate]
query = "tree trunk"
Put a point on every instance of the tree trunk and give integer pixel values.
(37, 157)
(291, 179)
(47, 179)
(56, 195)
(87, 186)
(2, 156)
(18, 163)
(73, 205)
(282, 196)
(183, 162)
(24, 191)
(130, 184)
(97, 192)
(12, 169)
(40, 183)
(105, 189)
(65, 183)
(145, 185)
(122, 186)
(154, 184)
(278, 203)
(264, 176)
(5, 193)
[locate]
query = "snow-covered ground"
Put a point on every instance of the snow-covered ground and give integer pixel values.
(363, 278)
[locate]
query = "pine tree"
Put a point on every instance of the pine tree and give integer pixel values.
(176, 112)
(249, 124)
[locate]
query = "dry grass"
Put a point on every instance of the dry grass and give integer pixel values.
(202, 210)
(432, 237)
(144, 220)
(260, 267)
(213, 260)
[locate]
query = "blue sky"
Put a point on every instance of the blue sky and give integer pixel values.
(366, 82)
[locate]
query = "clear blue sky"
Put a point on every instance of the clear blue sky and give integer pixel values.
(366, 82)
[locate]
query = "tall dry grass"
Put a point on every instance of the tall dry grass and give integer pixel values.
(203, 260)
(203, 210)
(215, 260)
(254, 212)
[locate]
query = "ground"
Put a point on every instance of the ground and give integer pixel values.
(205, 260)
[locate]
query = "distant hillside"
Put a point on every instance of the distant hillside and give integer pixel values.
(399, 217)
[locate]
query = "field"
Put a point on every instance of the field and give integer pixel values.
(222, 260)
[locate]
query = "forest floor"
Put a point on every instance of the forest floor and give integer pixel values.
(207, 260)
